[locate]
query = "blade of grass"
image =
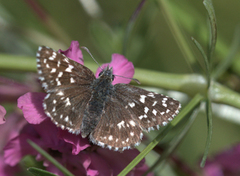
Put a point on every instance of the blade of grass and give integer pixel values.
(163, 132)
(40, 172)
(51, 159)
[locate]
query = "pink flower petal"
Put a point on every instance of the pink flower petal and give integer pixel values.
(77, 141)
(2, 114)
(213, 170)
(31, 105)
(122, 67)
(99, 166)
(6, 170)
(73, 52)
(11, 128)
(48, 132)
(17, 148)
(123, 159)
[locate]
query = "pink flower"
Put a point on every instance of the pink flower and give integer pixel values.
(8, 131)
(2, 114)
(74, 152)
(73, 52)
(224, 163)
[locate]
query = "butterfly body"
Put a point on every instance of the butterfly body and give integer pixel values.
(113, 116)
(102, 89)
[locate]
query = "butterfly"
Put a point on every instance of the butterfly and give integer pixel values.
(112, 116)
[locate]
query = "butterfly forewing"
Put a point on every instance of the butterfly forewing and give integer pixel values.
(68, 86)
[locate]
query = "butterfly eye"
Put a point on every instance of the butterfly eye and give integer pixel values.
(101, 73)
(113, 76)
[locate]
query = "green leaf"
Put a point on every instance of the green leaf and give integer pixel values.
(40, 172)
(213, 27)
(206, 62)
(50, 158)
(163, 132)
(209, 137)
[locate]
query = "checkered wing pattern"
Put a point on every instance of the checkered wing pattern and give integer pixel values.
(129, 111)
(113, 116)
(67, 84)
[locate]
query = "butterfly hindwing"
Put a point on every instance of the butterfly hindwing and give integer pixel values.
(117, 128)
(149, 109)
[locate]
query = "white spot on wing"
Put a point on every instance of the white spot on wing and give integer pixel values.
(151, 95)
(121, 124)
(69, 69)
(60, 93)
(72, 80)
(53, 70)
(58, 64)
(66, 119)
(131, 104)
(132, 123)
(146, 109)
(142, 98)
(39, 48)
(60, 74)
(154, 103)
(67, 102)
(154, 112)
(110, 138)
(164, 123)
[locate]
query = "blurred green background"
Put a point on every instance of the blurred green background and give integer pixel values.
(151, 45)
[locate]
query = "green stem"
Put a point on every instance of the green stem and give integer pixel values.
(190, 84)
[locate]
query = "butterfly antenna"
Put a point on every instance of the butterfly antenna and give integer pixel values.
(129, 78)
(86, 49)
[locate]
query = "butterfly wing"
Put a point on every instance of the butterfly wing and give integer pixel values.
(150, 109)
(129, 111)
(117, 128)
(68, 85)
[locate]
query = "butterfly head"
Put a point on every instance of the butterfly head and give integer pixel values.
(107, 73)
